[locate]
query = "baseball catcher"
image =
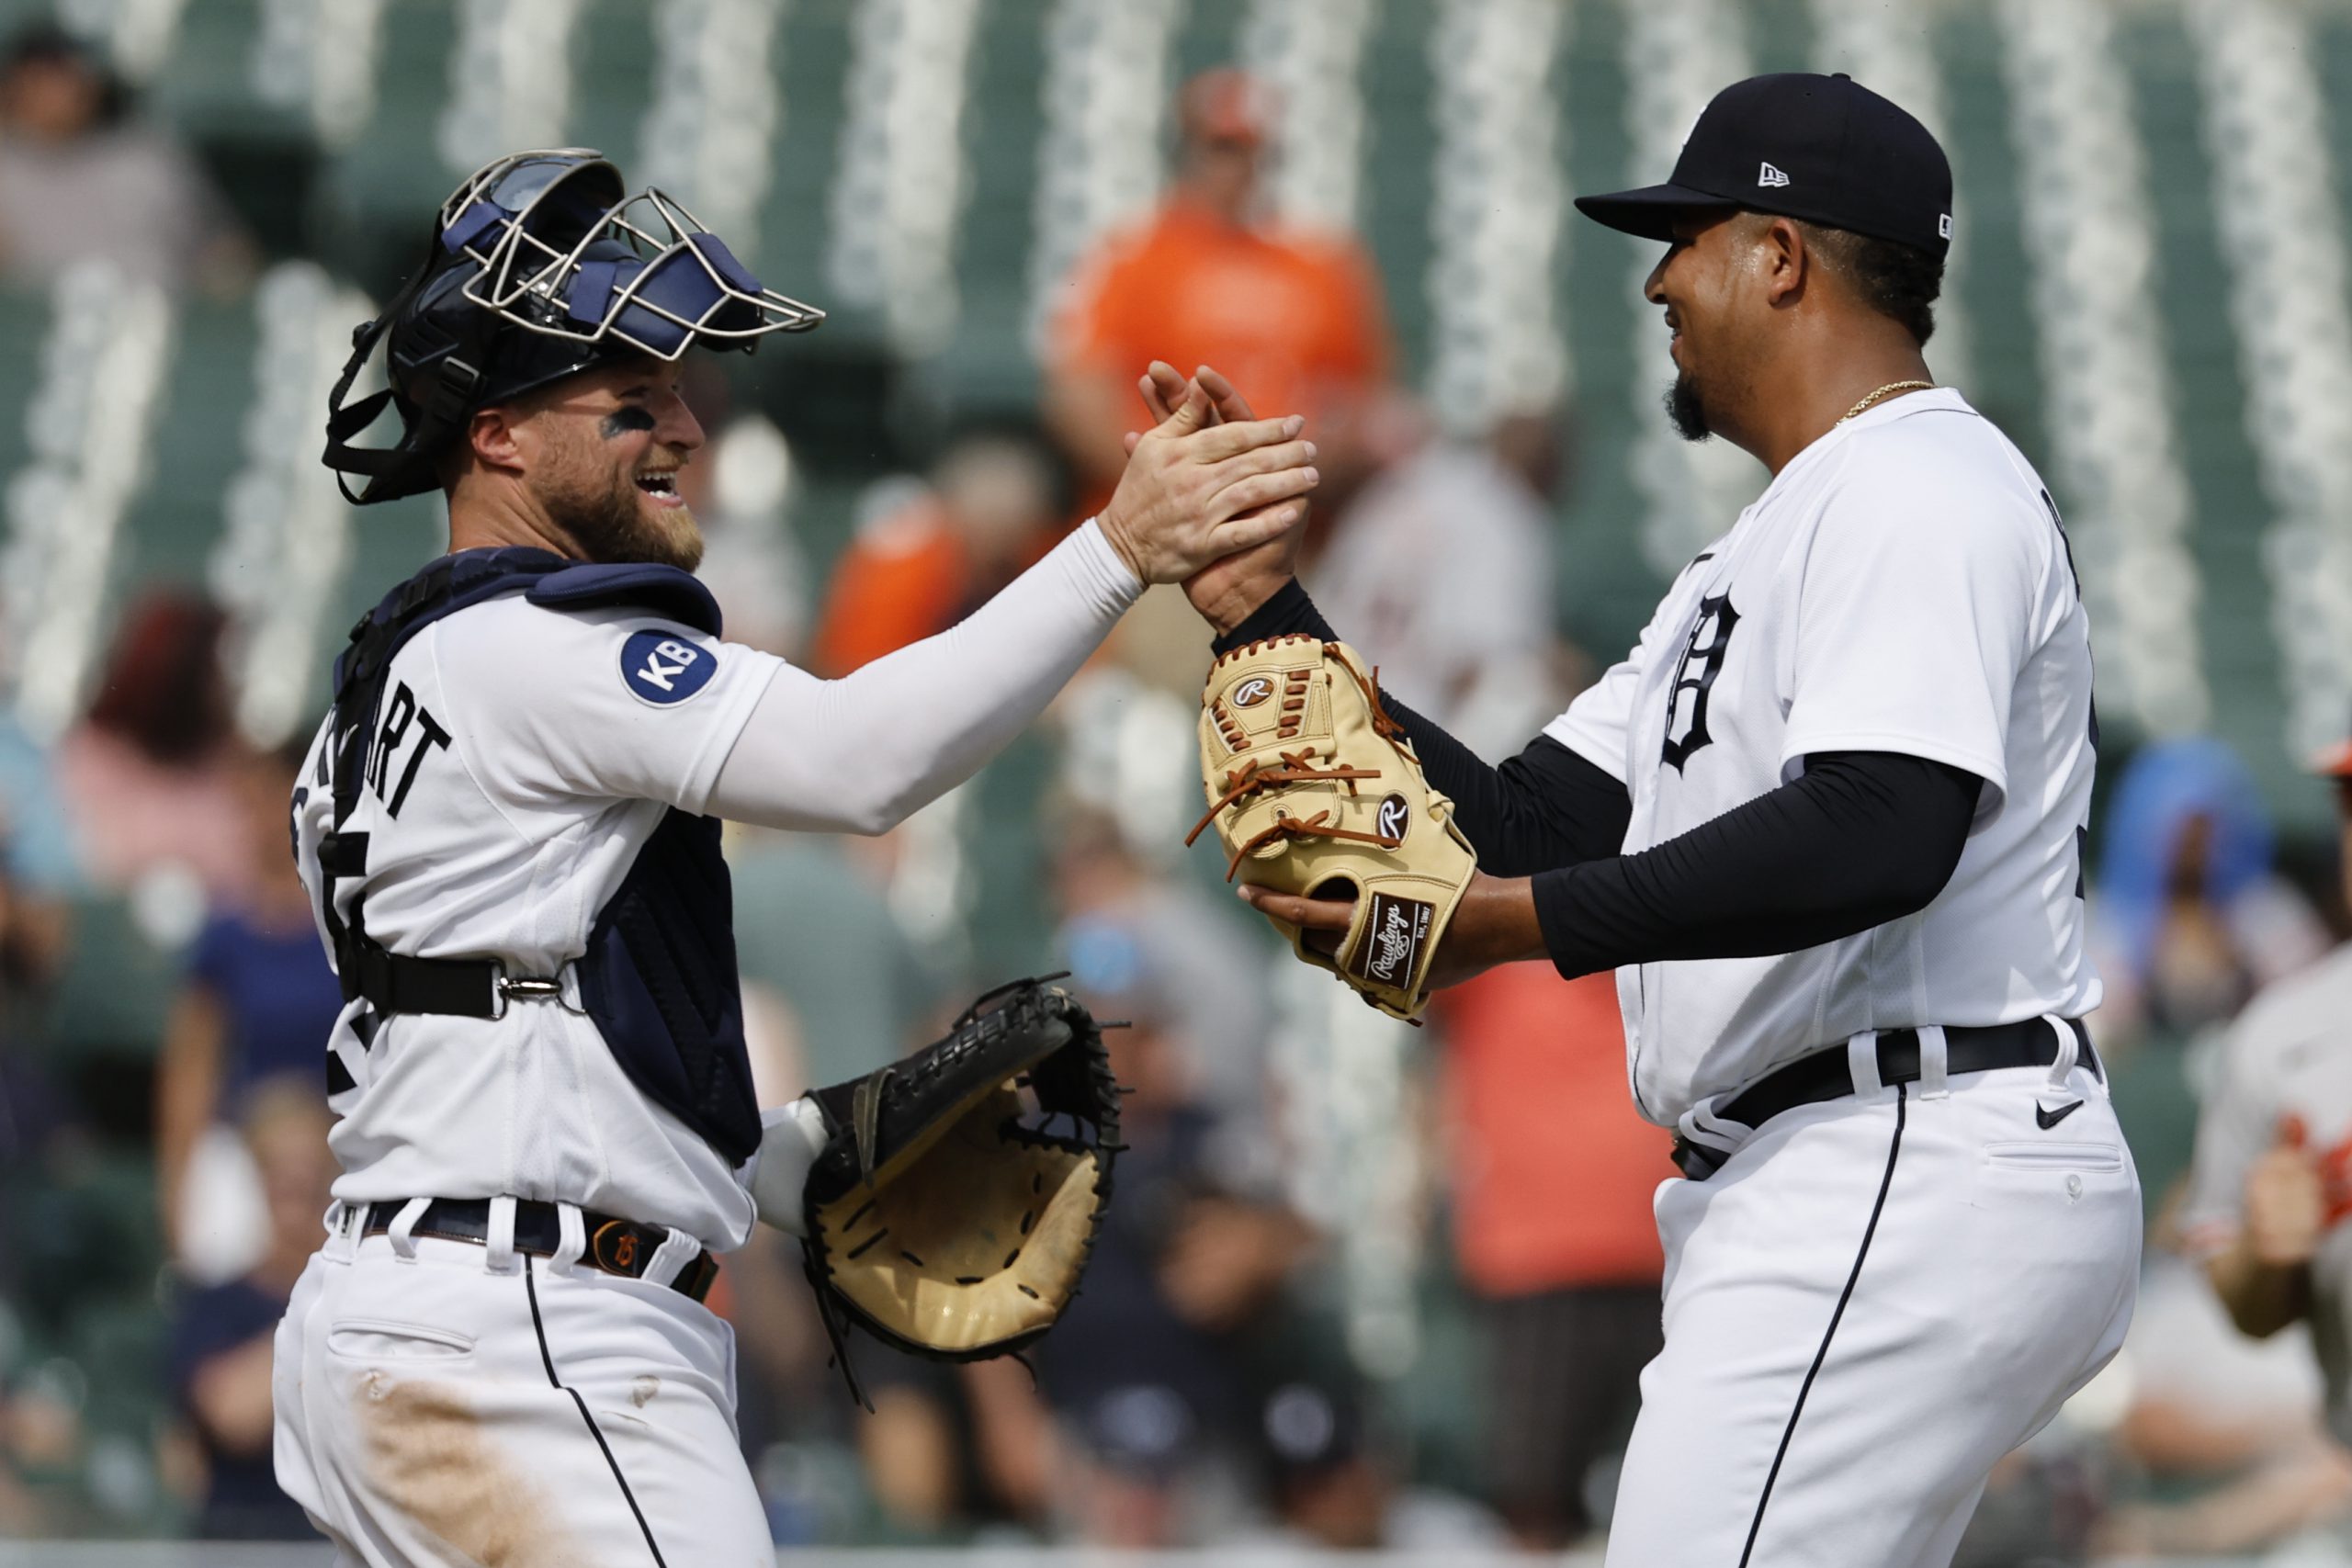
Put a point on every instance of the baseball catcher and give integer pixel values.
(509, 824)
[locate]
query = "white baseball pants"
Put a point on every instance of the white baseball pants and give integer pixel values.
(1868, 1305)
(447, 1407)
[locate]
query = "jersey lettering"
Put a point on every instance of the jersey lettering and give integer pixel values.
(1710, 638)
(398, 713)
(664, 665)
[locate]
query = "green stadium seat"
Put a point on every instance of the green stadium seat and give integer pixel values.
(198, 448)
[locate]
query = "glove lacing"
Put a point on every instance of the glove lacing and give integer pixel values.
(1255, 775)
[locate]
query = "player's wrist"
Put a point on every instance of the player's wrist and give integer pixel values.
(1120, 536)
(1228, 608)
(1495, 923)
(1103, 565)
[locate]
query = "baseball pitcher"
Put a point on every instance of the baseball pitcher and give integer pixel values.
(509, 826)
(1825, 822)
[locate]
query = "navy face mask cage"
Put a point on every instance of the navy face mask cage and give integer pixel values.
(557, 270)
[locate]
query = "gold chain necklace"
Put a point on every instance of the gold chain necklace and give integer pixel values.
(1886, 392)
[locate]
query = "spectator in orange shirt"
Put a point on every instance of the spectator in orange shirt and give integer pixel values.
(927, 555)
(1552, 1175)
(1297, 321)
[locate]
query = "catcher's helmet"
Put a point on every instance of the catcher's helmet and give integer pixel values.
(539, 266)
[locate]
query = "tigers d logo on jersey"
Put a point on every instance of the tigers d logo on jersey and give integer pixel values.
(1694, 677)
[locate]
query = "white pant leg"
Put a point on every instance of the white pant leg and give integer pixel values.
(1998, 1277)
(443, 1414)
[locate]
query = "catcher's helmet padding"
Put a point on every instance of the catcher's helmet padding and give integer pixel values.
(540, 265)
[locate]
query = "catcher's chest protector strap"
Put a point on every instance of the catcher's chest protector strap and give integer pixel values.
(658, 974)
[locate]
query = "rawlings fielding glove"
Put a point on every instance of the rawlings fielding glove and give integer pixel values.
(1316, 791)
(955, 1200)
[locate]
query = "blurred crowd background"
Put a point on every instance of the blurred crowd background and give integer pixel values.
(1365, 1286)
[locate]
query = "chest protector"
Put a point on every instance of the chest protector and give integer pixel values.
(658, 978)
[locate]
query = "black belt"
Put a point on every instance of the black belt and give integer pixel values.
(617, 1246)
(397, 982)
(1824, 1074)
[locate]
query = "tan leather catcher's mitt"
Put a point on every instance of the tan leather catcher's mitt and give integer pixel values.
(956, 1201)
(1314, 790)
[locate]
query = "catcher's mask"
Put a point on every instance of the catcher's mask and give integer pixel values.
(540, 265)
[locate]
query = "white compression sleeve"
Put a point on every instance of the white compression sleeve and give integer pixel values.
(861, 753)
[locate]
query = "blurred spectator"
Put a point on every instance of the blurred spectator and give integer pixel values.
(36, 875)
(1552, 1174)
(1210, 967)
(221, 1334)
(833, 988)
(258, 1005)
(36, 837)
(2189, 920)
(150, 776)
(1151, 1376)
(2225, 1431)
(2273, 1176)
(816, 936)
(741, 488)
(1296, 322)
(80, 180)
(926, 555)
(1442, 571)
(2041, 1506)
(1337, 1487)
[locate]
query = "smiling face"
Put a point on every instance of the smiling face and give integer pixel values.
(1708, 282)
(601, 450)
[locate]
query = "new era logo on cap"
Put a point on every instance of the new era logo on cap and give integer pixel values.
(1769, 176)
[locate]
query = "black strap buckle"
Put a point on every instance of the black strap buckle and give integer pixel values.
(528, 989)
(1697, 1161)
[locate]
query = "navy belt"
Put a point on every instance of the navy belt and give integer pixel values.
(1824, 1074)
(615, 1246)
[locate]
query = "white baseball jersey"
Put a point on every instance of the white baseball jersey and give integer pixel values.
(2286, 1055)
(1902, 585)
(523, 756)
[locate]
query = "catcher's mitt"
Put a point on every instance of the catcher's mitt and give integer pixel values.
(955, 1201)
(1315, 788)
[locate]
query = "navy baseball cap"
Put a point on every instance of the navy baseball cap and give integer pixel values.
(1818, 148)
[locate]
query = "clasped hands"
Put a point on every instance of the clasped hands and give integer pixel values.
(1496, 922)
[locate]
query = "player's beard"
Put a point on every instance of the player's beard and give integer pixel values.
(1686, 411)
(607, 521)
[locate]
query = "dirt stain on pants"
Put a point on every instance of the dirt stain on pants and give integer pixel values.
(430, 1457)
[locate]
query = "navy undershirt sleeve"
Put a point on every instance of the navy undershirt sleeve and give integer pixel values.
(1859, 839)
(1547, 806)
(1856, 840)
